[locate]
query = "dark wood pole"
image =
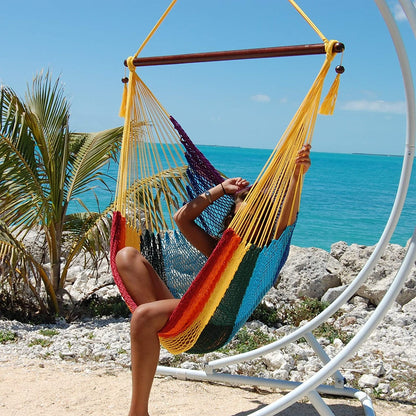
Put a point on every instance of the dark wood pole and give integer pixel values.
(310, 49)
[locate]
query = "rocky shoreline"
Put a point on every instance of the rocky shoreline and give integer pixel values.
(384, 367)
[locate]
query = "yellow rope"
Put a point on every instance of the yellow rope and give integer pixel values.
(308, 20)
(152, 32)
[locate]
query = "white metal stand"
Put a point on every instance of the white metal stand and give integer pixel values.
(314, 387)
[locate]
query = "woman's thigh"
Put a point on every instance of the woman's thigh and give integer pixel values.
(141, 280)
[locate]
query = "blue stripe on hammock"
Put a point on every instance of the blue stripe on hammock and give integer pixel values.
(269, 263)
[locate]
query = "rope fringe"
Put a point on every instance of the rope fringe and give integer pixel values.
(328, 104)
(122, 112)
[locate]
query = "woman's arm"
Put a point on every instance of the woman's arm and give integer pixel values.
(185, 216)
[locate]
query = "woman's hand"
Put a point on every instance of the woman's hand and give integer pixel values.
(303, 160)
(233, 185)
(186, 215)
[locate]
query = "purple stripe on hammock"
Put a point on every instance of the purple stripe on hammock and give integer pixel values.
(196, 158)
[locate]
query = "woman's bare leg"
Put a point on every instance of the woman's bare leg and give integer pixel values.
(146, 322)
(155, 305)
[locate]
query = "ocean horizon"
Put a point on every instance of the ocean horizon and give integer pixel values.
(346, 197)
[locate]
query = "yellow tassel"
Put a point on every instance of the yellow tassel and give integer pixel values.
(328, 105)
(122, 112)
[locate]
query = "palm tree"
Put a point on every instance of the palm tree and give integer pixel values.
(43, 167)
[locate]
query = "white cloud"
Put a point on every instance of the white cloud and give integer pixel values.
(261, 98)
(398, 12)
(379, 106)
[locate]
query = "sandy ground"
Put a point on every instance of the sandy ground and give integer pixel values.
(49, 389)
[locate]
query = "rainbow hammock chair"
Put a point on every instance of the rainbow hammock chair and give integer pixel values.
(160, 169)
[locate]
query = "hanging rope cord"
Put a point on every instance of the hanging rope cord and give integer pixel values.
(308, 20)
(256, 221)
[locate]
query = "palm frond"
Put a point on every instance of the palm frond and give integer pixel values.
(95, 151)
(157, 197)
(46, 101)
(14, 126)
(21, 192)
(89, 233)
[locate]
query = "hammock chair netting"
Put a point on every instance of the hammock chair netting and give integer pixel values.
(161, 169)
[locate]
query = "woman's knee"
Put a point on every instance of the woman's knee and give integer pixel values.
(143, 319)
(128, 256)
(151, 317)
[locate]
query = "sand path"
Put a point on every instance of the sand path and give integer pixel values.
(47, 388)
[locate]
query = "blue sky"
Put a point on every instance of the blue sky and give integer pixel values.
(241, 103)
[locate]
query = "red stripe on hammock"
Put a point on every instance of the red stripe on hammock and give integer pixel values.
(117, 242)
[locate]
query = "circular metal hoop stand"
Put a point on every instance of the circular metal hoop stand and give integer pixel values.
(313, 387)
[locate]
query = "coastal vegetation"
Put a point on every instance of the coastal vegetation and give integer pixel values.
(44, 167)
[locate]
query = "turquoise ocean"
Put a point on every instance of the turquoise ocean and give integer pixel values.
(346, 197)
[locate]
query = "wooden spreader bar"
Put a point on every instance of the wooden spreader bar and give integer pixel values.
(296, 50)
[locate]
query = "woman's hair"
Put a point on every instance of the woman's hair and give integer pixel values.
(238, 198)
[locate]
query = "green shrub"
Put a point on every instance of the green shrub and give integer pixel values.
(43, 342)
(246, 341)
(303, 310)
(265, 314)
(7, 336)
(21, 307)
(329, 332)
(112, 306)
(294, 312)
(291, 313)
(49, 332)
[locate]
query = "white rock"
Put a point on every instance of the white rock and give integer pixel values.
(275, 360)
(368, 380)
(332, 293)
(308, 272)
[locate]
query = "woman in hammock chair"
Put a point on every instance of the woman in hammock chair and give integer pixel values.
(155, 301)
